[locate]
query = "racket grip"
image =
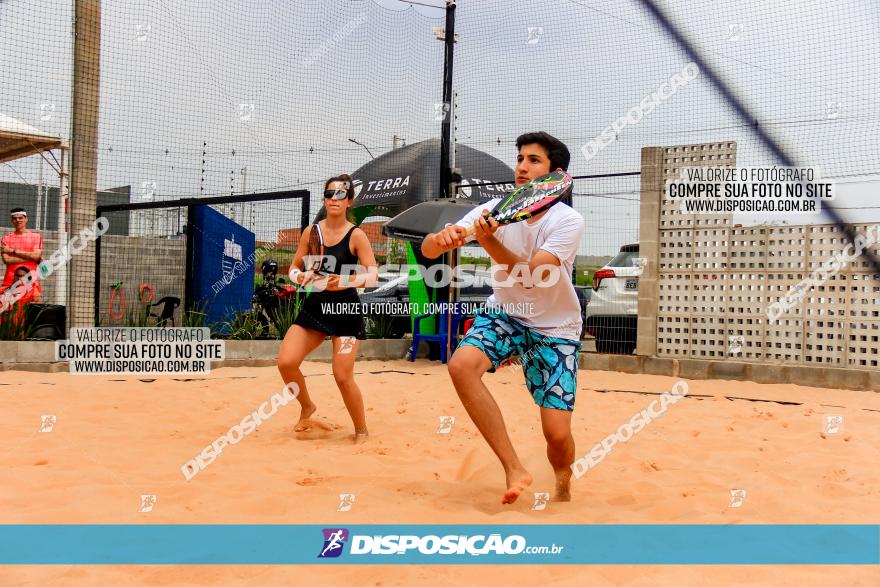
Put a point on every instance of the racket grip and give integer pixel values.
(472, 229)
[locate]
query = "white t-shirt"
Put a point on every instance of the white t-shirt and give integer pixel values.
(555, 310)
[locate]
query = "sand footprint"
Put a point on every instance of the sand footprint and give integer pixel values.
(314, 430)
(312, 481)
(464, 470)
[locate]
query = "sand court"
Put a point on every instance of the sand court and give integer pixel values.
(116, 439)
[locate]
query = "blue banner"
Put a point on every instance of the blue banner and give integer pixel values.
(223, 269)
(439, 544)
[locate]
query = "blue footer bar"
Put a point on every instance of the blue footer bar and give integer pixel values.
(439, 544)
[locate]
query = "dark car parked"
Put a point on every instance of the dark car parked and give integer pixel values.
(584, 293)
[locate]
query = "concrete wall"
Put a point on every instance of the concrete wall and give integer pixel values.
(133, 260)
(39, 356)
(806, 375)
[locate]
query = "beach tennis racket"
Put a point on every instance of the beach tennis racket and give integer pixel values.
(316, 249)
(315, 258)
(532, 198)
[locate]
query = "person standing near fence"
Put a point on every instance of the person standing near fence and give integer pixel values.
(21, 248)
(333, 311)
(537, 320)
(31, 295)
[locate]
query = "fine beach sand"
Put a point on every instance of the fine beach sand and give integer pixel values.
(116, 438)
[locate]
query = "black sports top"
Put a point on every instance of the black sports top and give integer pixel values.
(342, 255)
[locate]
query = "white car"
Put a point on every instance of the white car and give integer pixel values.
(612, 313)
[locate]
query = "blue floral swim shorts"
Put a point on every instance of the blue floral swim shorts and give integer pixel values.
(549, 364)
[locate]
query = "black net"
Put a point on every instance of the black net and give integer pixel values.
(208, 99)
(142, 266)
(199, 265)
(599, 76)
(610, 207)
(35, 113)
(217, 99)
(573, 68)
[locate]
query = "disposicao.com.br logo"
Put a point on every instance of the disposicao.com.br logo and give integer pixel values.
(393, 544)
(334, 541)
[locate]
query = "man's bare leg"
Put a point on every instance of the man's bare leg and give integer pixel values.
(297, 344)
(560, 448)
(466, 369)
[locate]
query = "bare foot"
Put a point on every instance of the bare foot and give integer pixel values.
(563, 487)
(517, 481)
(304, 422)
(361, 437)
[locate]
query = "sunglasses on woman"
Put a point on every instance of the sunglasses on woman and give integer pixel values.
(335, 194)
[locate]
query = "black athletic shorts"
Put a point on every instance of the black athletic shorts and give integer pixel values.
(335, 313)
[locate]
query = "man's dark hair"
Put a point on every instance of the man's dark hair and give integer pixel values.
(17, 211)
(556, 149)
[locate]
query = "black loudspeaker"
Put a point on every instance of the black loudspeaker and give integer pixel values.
(45, 321)
(415, 223)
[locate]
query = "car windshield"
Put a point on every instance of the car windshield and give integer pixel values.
(623, 259)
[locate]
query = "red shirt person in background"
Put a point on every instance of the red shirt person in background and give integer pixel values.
(21, 247)
(32, 296)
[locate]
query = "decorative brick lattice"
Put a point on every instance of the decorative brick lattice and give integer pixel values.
(693, 258)
(716, 281)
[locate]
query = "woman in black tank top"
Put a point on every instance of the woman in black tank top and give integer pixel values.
(331, 306)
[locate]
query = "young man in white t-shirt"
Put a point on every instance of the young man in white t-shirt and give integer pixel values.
(533, 314)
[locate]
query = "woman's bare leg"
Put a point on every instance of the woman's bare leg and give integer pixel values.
(344, 354)
(297, 344)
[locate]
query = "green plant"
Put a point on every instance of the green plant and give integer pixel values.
(478, 261)
(396, 251)
(245, 326)
(286, 313)
(137, 319)
(583, 274)
(12, 325)
(378, 326)
(581, 279)
(195, 317)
